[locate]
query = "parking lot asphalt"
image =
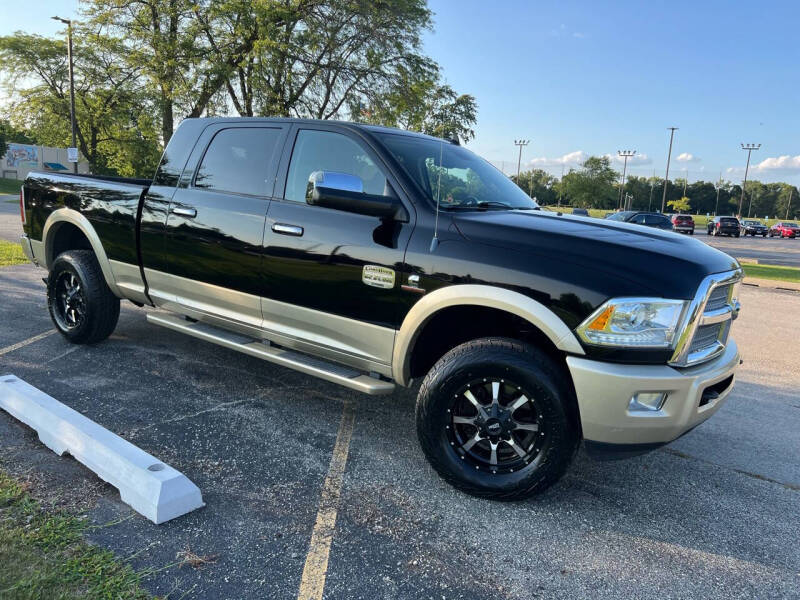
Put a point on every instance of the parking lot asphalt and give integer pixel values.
(715, 514)
(768, 251)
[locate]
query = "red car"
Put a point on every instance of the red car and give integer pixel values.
(785, 229)
(683, 224)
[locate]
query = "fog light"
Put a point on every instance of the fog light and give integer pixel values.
(647, 401)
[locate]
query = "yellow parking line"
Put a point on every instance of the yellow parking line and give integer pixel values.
(18, 345)
(312, 584)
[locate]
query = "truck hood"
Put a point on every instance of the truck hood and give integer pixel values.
(661, 263)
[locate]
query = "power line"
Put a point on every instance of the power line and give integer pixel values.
(521, 144)
(626, 154)
(666, 177)
(749, 148)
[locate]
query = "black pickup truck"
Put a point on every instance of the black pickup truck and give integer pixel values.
(372, 258)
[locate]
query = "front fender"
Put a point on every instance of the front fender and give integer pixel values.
(509, 301)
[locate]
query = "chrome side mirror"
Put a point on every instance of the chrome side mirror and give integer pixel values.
(342, 191)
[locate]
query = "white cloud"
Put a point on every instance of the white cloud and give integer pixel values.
(687, 157)
(636, 159)
(568, 159)
(782, 163)
(578, 34)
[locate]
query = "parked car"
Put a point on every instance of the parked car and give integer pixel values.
(580, 212)
(683, 224)
(785, 229)
(724, 226)
(320, 246)
(754, 228)
(649, 219)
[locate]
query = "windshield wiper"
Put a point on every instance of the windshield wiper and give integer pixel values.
(482, 205)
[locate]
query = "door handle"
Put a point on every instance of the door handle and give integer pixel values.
(285, 229)
(189, 213)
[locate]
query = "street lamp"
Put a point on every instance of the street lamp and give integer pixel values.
(749, 148)
(666, 177)
(68, 23)
(625, 154)
(521, 144)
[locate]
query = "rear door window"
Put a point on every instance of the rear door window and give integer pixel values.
(238, 160)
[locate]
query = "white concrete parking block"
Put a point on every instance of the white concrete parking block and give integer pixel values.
(149, 486)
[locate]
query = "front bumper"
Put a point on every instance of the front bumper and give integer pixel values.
(605, 391)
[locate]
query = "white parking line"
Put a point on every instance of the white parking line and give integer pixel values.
(312, 584)
(23, 343)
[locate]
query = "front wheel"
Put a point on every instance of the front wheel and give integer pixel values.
(736, 235)
(493, 419)
(83, 308)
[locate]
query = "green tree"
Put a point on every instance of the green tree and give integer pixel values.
(539, 184)
(593, 185)
(681, 205)
(115, 132)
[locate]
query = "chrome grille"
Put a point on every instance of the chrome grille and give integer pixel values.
(718, 298)
(706, 335)
(706, 330)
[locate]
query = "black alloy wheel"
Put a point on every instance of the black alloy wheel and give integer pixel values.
(497, 418)
(83, 308)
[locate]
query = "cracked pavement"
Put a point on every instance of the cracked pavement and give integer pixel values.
(715, 514)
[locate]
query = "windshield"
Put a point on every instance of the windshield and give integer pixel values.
(728, 220)
(752, 223)
(462, 179)
(619, 216)
(790, 224)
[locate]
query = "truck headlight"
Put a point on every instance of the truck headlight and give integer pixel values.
(634, 323)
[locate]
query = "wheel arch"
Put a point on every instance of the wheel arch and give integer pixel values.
(63, 222)
(474, 295)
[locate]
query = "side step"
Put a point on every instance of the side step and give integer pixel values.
(350, 378)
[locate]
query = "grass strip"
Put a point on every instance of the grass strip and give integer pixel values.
(774, 272)
(44, 555)
(11, 254)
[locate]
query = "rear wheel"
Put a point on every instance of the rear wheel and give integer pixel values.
(83, 308)
(493, 419)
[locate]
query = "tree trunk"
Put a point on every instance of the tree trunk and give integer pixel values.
(167, 118)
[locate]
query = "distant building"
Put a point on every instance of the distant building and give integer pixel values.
(20, 159)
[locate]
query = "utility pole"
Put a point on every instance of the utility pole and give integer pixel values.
(750, 206)
(791, 191)
(666, 177)
(521, 144)
(749, 148)
(71, 87)
(719, 185)
(625, 154)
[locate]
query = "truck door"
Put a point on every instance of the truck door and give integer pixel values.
(333, 277)
(215, 227)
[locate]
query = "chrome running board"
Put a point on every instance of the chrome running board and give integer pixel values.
(345, 376)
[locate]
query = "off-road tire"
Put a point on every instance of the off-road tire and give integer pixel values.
(539, 376)
(101, 305)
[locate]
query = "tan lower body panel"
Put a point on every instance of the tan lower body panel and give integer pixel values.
(360, 345)
(129, 281)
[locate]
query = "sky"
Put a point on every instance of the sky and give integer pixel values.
(591, 78)
(583, 78)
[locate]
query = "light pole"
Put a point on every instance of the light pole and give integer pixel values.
(652, 184)
(791, 191)
(749, 148)
(666, 177)
(521, 144)
(68, 23)
(719, 185)
(625, 154)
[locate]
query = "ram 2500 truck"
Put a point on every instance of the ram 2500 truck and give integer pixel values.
(375, 258)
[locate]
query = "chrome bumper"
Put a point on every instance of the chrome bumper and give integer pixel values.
(605, 392)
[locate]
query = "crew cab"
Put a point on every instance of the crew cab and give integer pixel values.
(724, 226)
(376, 258)
(683, 224)
(785, 229)
(754, 228)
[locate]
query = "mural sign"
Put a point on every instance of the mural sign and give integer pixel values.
(22, 155)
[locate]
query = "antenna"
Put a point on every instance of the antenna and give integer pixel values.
(435, 240)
